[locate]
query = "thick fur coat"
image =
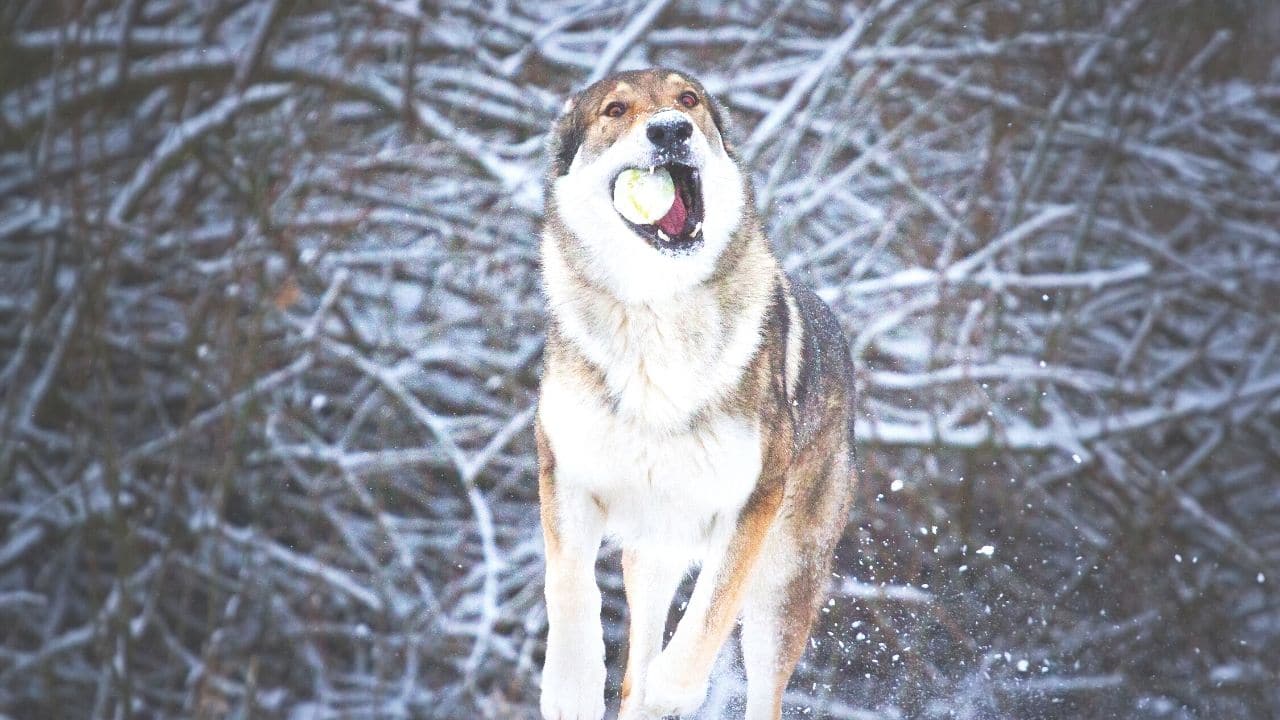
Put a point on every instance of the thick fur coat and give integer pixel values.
(696, 407)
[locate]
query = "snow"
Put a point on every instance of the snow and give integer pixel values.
(271, 330)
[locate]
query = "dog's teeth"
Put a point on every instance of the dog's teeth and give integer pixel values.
(663, 236)
(650, 169)
(696, 229)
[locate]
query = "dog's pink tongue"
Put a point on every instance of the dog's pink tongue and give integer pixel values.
(673, 222)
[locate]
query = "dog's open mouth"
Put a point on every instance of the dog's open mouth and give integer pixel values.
(679, 229)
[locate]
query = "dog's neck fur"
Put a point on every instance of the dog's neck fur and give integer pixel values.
(664, 362)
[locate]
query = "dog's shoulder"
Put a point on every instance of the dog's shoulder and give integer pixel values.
(824, 373)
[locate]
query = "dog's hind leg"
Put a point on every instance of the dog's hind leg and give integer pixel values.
(776, 617)
(791, 579)
(651, 578)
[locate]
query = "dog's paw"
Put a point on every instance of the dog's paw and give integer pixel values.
(635, 712)
(671, 687)
(573, 683)
(638, 713)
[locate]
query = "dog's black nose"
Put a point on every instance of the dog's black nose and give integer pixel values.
(669, 132)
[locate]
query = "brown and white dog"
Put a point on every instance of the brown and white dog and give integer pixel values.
(696, 406)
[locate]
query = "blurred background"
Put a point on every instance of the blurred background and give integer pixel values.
(271, 330)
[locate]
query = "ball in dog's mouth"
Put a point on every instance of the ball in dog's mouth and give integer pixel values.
(662, 204)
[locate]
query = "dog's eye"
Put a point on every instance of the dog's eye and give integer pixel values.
(688, 99)
(615, 109)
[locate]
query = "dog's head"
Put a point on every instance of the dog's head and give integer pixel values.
(644, 120)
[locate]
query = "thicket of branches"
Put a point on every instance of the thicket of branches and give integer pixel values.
(270, 331)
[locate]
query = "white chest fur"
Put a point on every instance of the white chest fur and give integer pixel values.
(662, 365)
(663, 361)
(658, 487)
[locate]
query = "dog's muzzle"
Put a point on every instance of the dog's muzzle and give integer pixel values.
(679, 229)
(667, 131)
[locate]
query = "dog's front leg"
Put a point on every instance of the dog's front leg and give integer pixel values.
(676, 683)
(651, 577)
(573, 673)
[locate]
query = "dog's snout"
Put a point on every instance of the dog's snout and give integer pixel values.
(669, 131)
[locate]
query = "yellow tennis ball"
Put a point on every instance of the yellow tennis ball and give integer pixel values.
(644, 196)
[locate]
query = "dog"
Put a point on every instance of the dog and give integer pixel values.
(696, 406)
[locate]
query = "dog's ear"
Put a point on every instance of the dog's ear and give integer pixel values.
(566, 136)
(723, 124)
